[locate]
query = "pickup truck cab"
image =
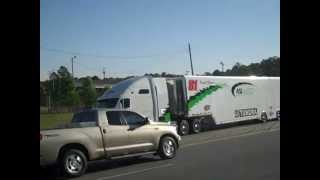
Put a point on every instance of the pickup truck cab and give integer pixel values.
(105, 134)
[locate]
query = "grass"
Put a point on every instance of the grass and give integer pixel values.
(50, 120)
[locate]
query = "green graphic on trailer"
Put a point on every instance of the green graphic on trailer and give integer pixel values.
(198, 97)
(195, 99)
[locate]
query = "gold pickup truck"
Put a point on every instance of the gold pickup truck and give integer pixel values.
(105, 134)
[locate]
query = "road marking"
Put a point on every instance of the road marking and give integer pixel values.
(226, 138)
(134, 172)
(184, 146)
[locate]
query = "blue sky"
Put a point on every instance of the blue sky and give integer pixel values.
(134, 37)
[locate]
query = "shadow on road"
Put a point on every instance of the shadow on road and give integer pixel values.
(101, 165)
(113, 164)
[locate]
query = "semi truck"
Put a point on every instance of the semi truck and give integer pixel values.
(194, 102)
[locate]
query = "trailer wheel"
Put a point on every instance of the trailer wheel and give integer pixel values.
(195, 126)
(183, 128)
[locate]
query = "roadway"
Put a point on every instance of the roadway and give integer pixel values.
(247, 152)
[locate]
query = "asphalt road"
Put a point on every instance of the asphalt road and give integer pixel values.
(246, 152)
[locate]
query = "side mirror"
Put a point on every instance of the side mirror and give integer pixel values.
(146, 120)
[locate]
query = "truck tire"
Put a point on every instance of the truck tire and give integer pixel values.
(195, 126)
(73, 163)
(167, 148)
(184, 128)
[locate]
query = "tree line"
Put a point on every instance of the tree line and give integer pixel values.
(61, 92)
(267, 67)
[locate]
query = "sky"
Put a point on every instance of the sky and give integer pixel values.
(134, 37)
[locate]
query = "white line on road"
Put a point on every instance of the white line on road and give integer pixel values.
(226, 138)
(134, 172)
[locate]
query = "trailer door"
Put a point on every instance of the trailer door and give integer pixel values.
(177, 96)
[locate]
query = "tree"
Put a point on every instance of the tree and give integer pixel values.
(88, 92)
(217, 73)
(254, 69)
(43, 93)
(95, 78)
(62, 89)
(270, 66)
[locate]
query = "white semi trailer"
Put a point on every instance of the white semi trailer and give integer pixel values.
(191, 101)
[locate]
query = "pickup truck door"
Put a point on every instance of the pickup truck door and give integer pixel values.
(141, 135)
(115, 135)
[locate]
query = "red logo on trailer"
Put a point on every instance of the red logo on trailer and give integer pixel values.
(193, 85)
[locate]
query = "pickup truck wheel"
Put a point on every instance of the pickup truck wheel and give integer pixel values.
(167, 148)
(183, 128)
(73, 163)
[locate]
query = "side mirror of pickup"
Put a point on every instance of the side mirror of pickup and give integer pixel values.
(146, 120)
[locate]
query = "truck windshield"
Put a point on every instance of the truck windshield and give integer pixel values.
(108, 103)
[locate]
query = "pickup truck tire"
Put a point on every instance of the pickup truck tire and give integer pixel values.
(73, 163)
(167, 148)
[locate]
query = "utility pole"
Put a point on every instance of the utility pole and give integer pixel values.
(221, 63)
(50, 90)
(49, 93)
(190, 58)
(104, 73)
(72, 59)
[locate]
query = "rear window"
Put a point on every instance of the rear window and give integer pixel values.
(108, 103)
(88, 117)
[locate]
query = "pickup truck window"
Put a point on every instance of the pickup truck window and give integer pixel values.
(108, 103)
(133, 118)
(114, 118)
(85, 118)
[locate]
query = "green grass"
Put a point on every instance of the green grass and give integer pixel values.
(51, 120)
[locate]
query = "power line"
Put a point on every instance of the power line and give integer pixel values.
(87, 67)
(111, 57)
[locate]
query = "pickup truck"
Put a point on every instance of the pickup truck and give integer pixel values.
(105, 134)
